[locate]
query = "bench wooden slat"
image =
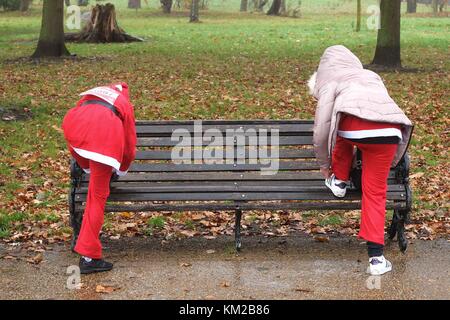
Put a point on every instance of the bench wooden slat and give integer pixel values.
(175, 207)
(283, 154)
(282, 165)
(221, 122)
(167, 141)
(164, 130)
(226, 187)
(235, 196)
(223, 176)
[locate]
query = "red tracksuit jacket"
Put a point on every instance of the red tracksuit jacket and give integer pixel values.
(96, 133)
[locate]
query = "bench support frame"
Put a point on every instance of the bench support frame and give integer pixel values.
(401, 216)
(76, 174)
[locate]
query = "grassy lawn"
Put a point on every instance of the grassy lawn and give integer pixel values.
(231, 66)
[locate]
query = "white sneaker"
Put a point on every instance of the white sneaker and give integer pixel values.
(378, 266)
(338, 187)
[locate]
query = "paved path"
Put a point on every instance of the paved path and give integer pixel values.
(296, 267)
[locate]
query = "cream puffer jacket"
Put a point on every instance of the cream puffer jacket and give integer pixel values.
(342, 85)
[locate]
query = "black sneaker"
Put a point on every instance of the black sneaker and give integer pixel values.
(95, 265)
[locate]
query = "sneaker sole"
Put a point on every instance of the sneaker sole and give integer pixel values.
(378, 273)
(94, 271)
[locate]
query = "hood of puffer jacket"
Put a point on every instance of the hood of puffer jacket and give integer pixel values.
(335, 62)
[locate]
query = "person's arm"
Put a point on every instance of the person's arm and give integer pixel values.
(129, 153)
(322, 122)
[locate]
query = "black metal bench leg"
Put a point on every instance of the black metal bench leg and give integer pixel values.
(401, 217)
(237, 230)
(394, 225)
(401, 237)
(76, 174)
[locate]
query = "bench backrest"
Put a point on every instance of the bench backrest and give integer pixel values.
(243, 179)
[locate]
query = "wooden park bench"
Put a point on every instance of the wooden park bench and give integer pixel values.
(156, 183)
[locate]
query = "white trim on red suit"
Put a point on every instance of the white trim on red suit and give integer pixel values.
(99, 158)
(360, 134)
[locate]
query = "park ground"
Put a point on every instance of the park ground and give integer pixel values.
(229, 66)
(293, 267)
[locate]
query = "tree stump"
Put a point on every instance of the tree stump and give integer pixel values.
(102, 27)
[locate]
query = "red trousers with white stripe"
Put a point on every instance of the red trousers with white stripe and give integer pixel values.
(376, 164)
(88, 243)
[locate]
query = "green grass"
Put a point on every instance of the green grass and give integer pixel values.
(333, 220)
(7, 221)
(156, 222)
(231, 66)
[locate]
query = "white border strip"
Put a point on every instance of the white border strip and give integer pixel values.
(360, 134)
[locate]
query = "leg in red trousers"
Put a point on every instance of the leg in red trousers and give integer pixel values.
(376, 164)
(342, 158)
(88, 243)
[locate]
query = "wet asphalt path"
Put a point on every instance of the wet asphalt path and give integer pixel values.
(294, 267)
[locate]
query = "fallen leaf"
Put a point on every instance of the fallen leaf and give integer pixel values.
(36, 259)
(105, 289)
(322, 238)
(210, 251)
(185, 264)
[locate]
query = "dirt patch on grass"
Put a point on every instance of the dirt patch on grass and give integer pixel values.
(15, 113)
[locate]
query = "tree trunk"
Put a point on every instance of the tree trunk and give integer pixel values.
(411, 6)
(134, 4)
(25, 5)
(166, 5)
(283, 7)
(102, 27)
(194, 15)
(244, 5)
(275, 8)
(442, 5)
(358, 15)
(434, 4)
(388, 43)
(51, 39)
(259, 5)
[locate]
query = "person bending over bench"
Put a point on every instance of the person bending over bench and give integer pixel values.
(101, 136)
(355, 109)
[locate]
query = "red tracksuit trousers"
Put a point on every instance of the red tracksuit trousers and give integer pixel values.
(88, 243)
(376, 164)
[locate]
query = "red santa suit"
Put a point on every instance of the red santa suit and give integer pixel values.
(378, 143)
(101, 136)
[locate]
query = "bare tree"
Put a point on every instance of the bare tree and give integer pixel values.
(244, 5)
(411, 6)
(166, 5)
(358, 15)
(51, 39)
(274, 8)
(388, 43)
(25, 5)
(194, 14)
